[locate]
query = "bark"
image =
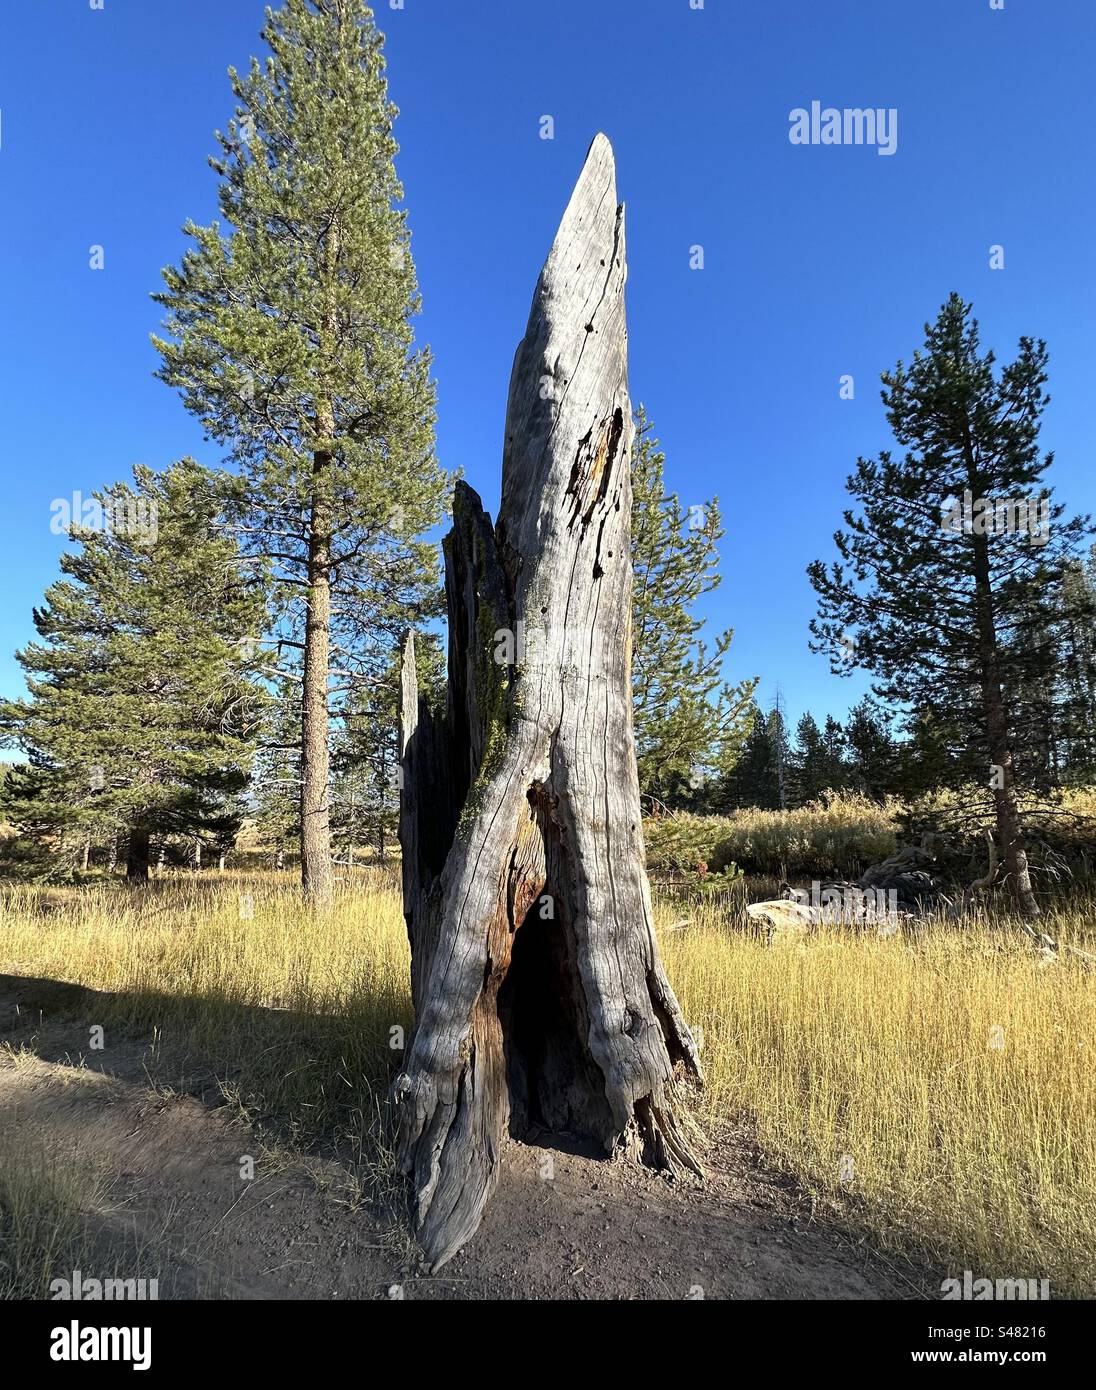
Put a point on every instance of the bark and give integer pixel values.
(998, 729)
(317, 871)
(317, 868)
(540, 999)
(137, 855)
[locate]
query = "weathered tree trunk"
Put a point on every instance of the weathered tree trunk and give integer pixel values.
(540, 998)
(137, 854)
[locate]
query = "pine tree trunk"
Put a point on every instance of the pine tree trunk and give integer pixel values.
(317, 869)
(1007, 812)
(85, 858)
(137, 855)
(540, 999)
(317, 872)
(998, 731)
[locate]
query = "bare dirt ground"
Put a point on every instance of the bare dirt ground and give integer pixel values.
(174, 1206)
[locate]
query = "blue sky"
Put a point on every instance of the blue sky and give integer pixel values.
(818, 261)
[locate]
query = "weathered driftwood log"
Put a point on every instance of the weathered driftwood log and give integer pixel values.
(540, 999)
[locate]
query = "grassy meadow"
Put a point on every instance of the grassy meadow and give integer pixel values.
(937, 1088)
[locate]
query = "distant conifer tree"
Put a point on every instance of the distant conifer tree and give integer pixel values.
(938, 591)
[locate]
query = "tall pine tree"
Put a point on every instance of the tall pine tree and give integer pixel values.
(808, 761)
(939, 591)
(762, 772)
(289, 337)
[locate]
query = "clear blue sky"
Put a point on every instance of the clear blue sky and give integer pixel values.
(819, 261)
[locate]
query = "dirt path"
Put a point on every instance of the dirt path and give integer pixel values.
(177, 1204)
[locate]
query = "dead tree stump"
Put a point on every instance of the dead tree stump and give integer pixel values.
(540, 999)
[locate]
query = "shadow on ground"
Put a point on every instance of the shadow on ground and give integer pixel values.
(213, 1207)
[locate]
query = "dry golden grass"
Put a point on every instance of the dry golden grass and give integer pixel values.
(953, 1069)
(841, 833)
(228, 972)
(837, 834)
(46, 1195)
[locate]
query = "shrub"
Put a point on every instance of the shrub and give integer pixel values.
(678, 845)
(839, 835)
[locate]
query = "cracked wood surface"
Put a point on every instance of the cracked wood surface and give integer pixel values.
(540, 997)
